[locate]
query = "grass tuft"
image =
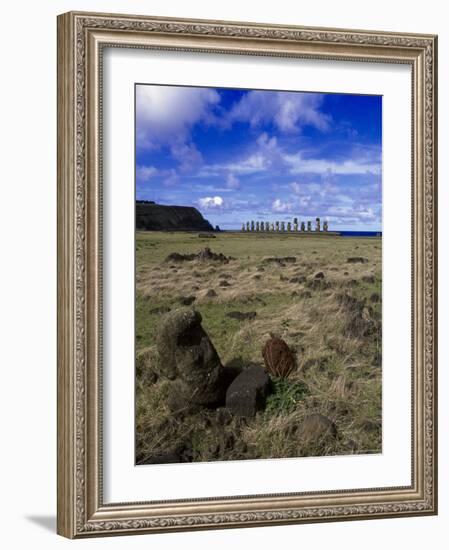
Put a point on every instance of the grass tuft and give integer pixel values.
(285, 396)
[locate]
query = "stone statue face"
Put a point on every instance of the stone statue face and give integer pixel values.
(189, 356)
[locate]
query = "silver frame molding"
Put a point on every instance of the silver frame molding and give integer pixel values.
(81, 38)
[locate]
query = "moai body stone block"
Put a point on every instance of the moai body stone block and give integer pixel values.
(318, 225)
(247, 393)
(282, 226)
(309, 226)
(303, 226)
(289, 226)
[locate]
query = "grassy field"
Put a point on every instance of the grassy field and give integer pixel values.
(332, 324)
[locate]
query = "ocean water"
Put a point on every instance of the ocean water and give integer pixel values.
(360, 233)
(341, 233)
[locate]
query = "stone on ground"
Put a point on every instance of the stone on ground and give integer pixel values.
(316, 428)
(248, 392)
(186, 354)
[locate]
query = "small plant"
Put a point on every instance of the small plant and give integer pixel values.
(285, 396)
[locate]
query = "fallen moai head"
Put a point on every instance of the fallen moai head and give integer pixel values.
(186, 354)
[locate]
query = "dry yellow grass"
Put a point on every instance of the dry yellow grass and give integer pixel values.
(332, 324)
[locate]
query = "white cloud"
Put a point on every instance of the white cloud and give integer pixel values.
(295, 187)
(344, 198)
(305, 201)
(298, 165)
(232, 182)
(267, 143)
(187, 155)
(263, 157)
(211, 202)
(366, 214)
(340, 210)
(171, 178)
(340, 203)
(167, 113)
(303, 189)
(254, 163)
(279, 206)
(289, 111)
(145, 173)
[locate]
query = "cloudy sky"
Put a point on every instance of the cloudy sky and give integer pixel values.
(241, 155)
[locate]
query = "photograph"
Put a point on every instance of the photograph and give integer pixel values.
(258, 274)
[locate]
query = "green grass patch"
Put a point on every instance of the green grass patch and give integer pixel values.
(286, 396)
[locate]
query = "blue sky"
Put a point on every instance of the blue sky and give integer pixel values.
(241, 155)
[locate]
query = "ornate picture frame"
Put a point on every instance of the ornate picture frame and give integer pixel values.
(82, 38)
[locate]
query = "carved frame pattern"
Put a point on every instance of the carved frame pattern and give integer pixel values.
(81, 37)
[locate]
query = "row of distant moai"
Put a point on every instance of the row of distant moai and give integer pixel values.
(282, 226)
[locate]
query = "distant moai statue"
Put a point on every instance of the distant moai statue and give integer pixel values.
(318, 228)
(289, 226)
(272, 226)
(309, 226)
(303, 226)
(325, 226)
(247, 226)
(267, 226)
(262, 226)
(295, 224)
(282, 226)
(277, 226)
(252, 225)
(257, 226)
(243, 227)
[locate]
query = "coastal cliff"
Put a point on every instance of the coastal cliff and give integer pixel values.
(158, 217)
